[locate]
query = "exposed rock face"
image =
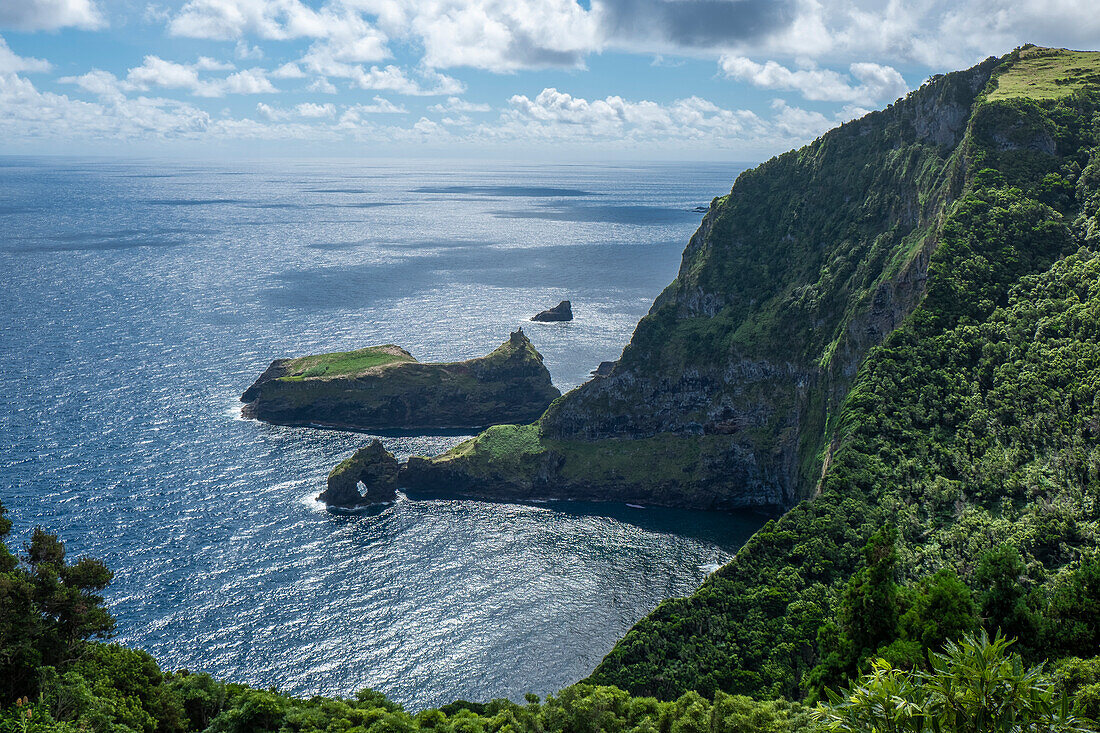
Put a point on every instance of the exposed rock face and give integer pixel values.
(563, 311)
(374, 467)
(394, 391)
(737, 375)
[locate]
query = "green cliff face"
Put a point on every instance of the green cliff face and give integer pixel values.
(384, 387)
(895, 326)
(973, 429)
(728, 392)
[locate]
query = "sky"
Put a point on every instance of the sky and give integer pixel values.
(735, 80)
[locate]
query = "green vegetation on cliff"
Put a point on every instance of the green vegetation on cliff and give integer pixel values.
(973, 428)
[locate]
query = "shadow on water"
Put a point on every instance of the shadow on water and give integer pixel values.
(642, 215)
(502, 191)
(728, 530)
(580, 269)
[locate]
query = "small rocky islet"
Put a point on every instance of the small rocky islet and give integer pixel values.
(563, 311)
(385, 388)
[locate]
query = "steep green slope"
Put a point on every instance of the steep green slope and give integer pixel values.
(724, 395)
(974, 426)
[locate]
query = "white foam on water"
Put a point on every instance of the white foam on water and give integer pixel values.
(311, 502)
(709, 567)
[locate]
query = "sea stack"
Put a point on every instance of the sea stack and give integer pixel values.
(563, 311)
(374, 467)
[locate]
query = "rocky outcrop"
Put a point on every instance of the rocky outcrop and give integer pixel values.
(737, 375)
(374, 468)
(563, 311)
(384, 388)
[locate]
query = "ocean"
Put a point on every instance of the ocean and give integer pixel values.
(139, 298)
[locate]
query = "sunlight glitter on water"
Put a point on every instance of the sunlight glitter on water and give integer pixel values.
(127, 352)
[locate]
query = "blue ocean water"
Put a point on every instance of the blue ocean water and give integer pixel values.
(139, 299)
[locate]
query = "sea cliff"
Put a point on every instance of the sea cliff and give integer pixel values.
(729, 391)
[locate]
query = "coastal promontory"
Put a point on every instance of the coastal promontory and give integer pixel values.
(385, 388)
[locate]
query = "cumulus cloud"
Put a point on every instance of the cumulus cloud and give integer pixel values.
(44, 15)
(322, 85)
(157, 72)
(11, 63)
(498, 35)
(230, 19)
(556, 114)
(509, 35)
(394, 79)
(311, 109)
(380, 105)
(288, 71)
(244, 51)
(36, 115)
(249, 81)
(456, 104)
(874, 82)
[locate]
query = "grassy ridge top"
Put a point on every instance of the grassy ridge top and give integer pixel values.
(344, 363)
(1047, 73)
(361, 361)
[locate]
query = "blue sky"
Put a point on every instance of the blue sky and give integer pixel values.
(529, 79)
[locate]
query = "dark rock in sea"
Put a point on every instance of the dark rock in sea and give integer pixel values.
(385, 388)
(374, 467)
(701, 209)
(563, 311)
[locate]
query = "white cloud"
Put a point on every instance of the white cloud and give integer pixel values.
(499, 35)
(244, 51)
(874, 82)
(30, 114)
(394, 79)
(311, 109)
(509, 35)
(288, 71)
(157, 72)
(455, 104)
(249, 81)
(230, 19)
(268, 112)
(11, 63)
(555, 114)
(427, 127)
(40, 15)
(322, 85)
(205, 63)
(381, 105)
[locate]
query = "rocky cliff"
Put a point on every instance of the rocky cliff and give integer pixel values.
(385, 388)
(728, 392)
